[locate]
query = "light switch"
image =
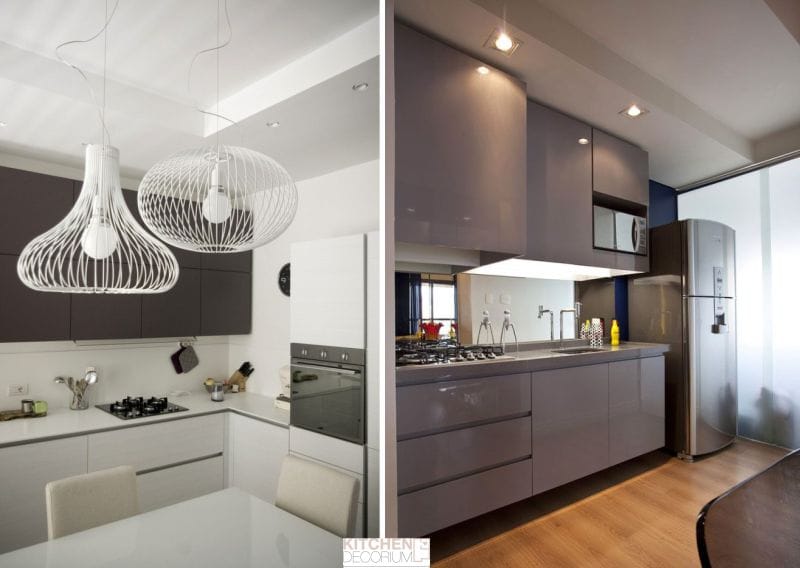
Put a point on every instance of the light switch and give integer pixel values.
(505, 299)
(489, 298)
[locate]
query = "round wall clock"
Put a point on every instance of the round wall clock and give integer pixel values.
(284, 279)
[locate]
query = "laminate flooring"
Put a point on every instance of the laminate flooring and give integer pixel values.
(639, 513)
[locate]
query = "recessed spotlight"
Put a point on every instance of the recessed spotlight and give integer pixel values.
(483, 70)
(502, 42)
(583, 141)
(634, 111)
(360, 87)
(274, 124)
(2, 124)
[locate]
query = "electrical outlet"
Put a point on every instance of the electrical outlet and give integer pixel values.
(505, 299)
(17, 390)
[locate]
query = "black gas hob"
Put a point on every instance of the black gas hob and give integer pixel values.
(443, 352)
(140, 407)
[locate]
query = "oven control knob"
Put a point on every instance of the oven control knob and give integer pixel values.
(323, 354)
(345, 357)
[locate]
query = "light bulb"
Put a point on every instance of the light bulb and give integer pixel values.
(99, 239)
(503, 42)
(216, 205)
(634, 110)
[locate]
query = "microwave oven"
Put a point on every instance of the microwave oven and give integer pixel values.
(620, 232)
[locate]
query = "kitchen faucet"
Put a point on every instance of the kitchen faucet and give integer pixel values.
(542, 311)
(577, 311)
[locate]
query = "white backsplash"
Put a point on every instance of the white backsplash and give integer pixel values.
(123, 368)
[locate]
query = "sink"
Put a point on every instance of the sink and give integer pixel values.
(577, 350)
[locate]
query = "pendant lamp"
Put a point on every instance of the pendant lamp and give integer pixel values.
(217, 199)
(98, 248)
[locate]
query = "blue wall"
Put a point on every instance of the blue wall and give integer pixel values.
(663, 209)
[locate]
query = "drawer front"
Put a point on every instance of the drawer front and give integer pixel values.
(424, 409)
(436, 458)
(428, 510)
(157, 445)
(175, 484)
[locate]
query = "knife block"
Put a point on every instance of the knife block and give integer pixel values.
(238, 379)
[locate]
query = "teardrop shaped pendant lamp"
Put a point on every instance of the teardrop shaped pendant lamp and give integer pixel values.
(218, 199)
(98, 247)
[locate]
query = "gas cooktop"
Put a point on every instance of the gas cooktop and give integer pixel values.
(140, 407)
(444, 352)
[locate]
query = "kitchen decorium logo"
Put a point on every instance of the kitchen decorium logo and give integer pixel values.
(386, 552)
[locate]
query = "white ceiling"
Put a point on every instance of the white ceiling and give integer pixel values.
(721, 78)
(288, 61)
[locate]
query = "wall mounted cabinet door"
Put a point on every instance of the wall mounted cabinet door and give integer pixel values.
(226, 303)
(559, 187)
(106, 316)
(177, 312)
(28, 315)
(236, 262)
(460, 149)
(570, 424)
(620, 169)
(32, 204)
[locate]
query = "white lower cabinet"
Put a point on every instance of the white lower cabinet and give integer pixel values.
(178, 483)
(254, 453)
(24, 471)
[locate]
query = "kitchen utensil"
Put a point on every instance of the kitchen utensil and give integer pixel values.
(176, 360)
(188, 359)
(218, 392)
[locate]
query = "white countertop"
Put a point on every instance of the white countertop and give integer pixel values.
(226, 528)
(63, 422)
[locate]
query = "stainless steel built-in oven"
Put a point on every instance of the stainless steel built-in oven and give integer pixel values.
(328, 391)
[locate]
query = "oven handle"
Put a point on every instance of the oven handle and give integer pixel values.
(327, 369)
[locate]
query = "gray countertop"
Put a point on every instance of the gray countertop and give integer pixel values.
(528, 360)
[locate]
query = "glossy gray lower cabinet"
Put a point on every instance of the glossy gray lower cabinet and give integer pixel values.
(428, 510)
(619, 168)
(570, 424)
(435, 459)
(459, 149)
(636, 408)
(433, 407)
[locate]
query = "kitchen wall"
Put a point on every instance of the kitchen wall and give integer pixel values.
(124, 368)
(522, 297)
(340, 203)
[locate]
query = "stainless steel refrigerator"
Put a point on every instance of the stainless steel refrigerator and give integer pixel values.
(688, 300)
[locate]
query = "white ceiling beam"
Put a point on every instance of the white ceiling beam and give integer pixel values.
(345, 52)
(541, 23)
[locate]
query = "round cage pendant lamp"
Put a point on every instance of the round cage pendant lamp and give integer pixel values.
(218, 199)
(98, 247)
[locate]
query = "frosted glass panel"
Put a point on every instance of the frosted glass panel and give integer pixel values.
(763, 207)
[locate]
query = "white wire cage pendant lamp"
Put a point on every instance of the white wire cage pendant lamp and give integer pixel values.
(220, 198)
(98, 247)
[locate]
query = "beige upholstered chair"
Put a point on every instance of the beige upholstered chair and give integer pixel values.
(321, 495)
(78, 503)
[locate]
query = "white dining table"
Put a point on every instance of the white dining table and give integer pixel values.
(228, 529)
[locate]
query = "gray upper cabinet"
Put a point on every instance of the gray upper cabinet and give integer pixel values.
(106, 316)
(619, 168)
(32, 204)
(559, 187)
(460, 149)
(175, 313)
(570, 424)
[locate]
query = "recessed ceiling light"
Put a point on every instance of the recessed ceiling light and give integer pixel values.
(502, 42)
(483, 70)
(360, 87)
(634, 111)
(583, 141)
(2, 124)
(274, 124)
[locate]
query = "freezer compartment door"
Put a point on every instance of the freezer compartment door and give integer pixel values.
(711, 335)
(710, 258)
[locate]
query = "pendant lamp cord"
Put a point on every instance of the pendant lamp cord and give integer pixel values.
(101, 110)
(216, 48)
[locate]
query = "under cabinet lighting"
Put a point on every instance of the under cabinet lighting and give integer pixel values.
(502, 42)
(483, 70)
(634, 111)
(520, 268)
(583, 141)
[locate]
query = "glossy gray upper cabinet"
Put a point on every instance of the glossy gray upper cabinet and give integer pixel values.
(636, 408)
(559, 187)
(460, 149)
(570, 424)
(619, 169)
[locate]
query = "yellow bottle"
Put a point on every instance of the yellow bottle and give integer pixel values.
(614, 332)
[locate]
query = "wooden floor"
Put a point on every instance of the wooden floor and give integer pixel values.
(640, 513)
